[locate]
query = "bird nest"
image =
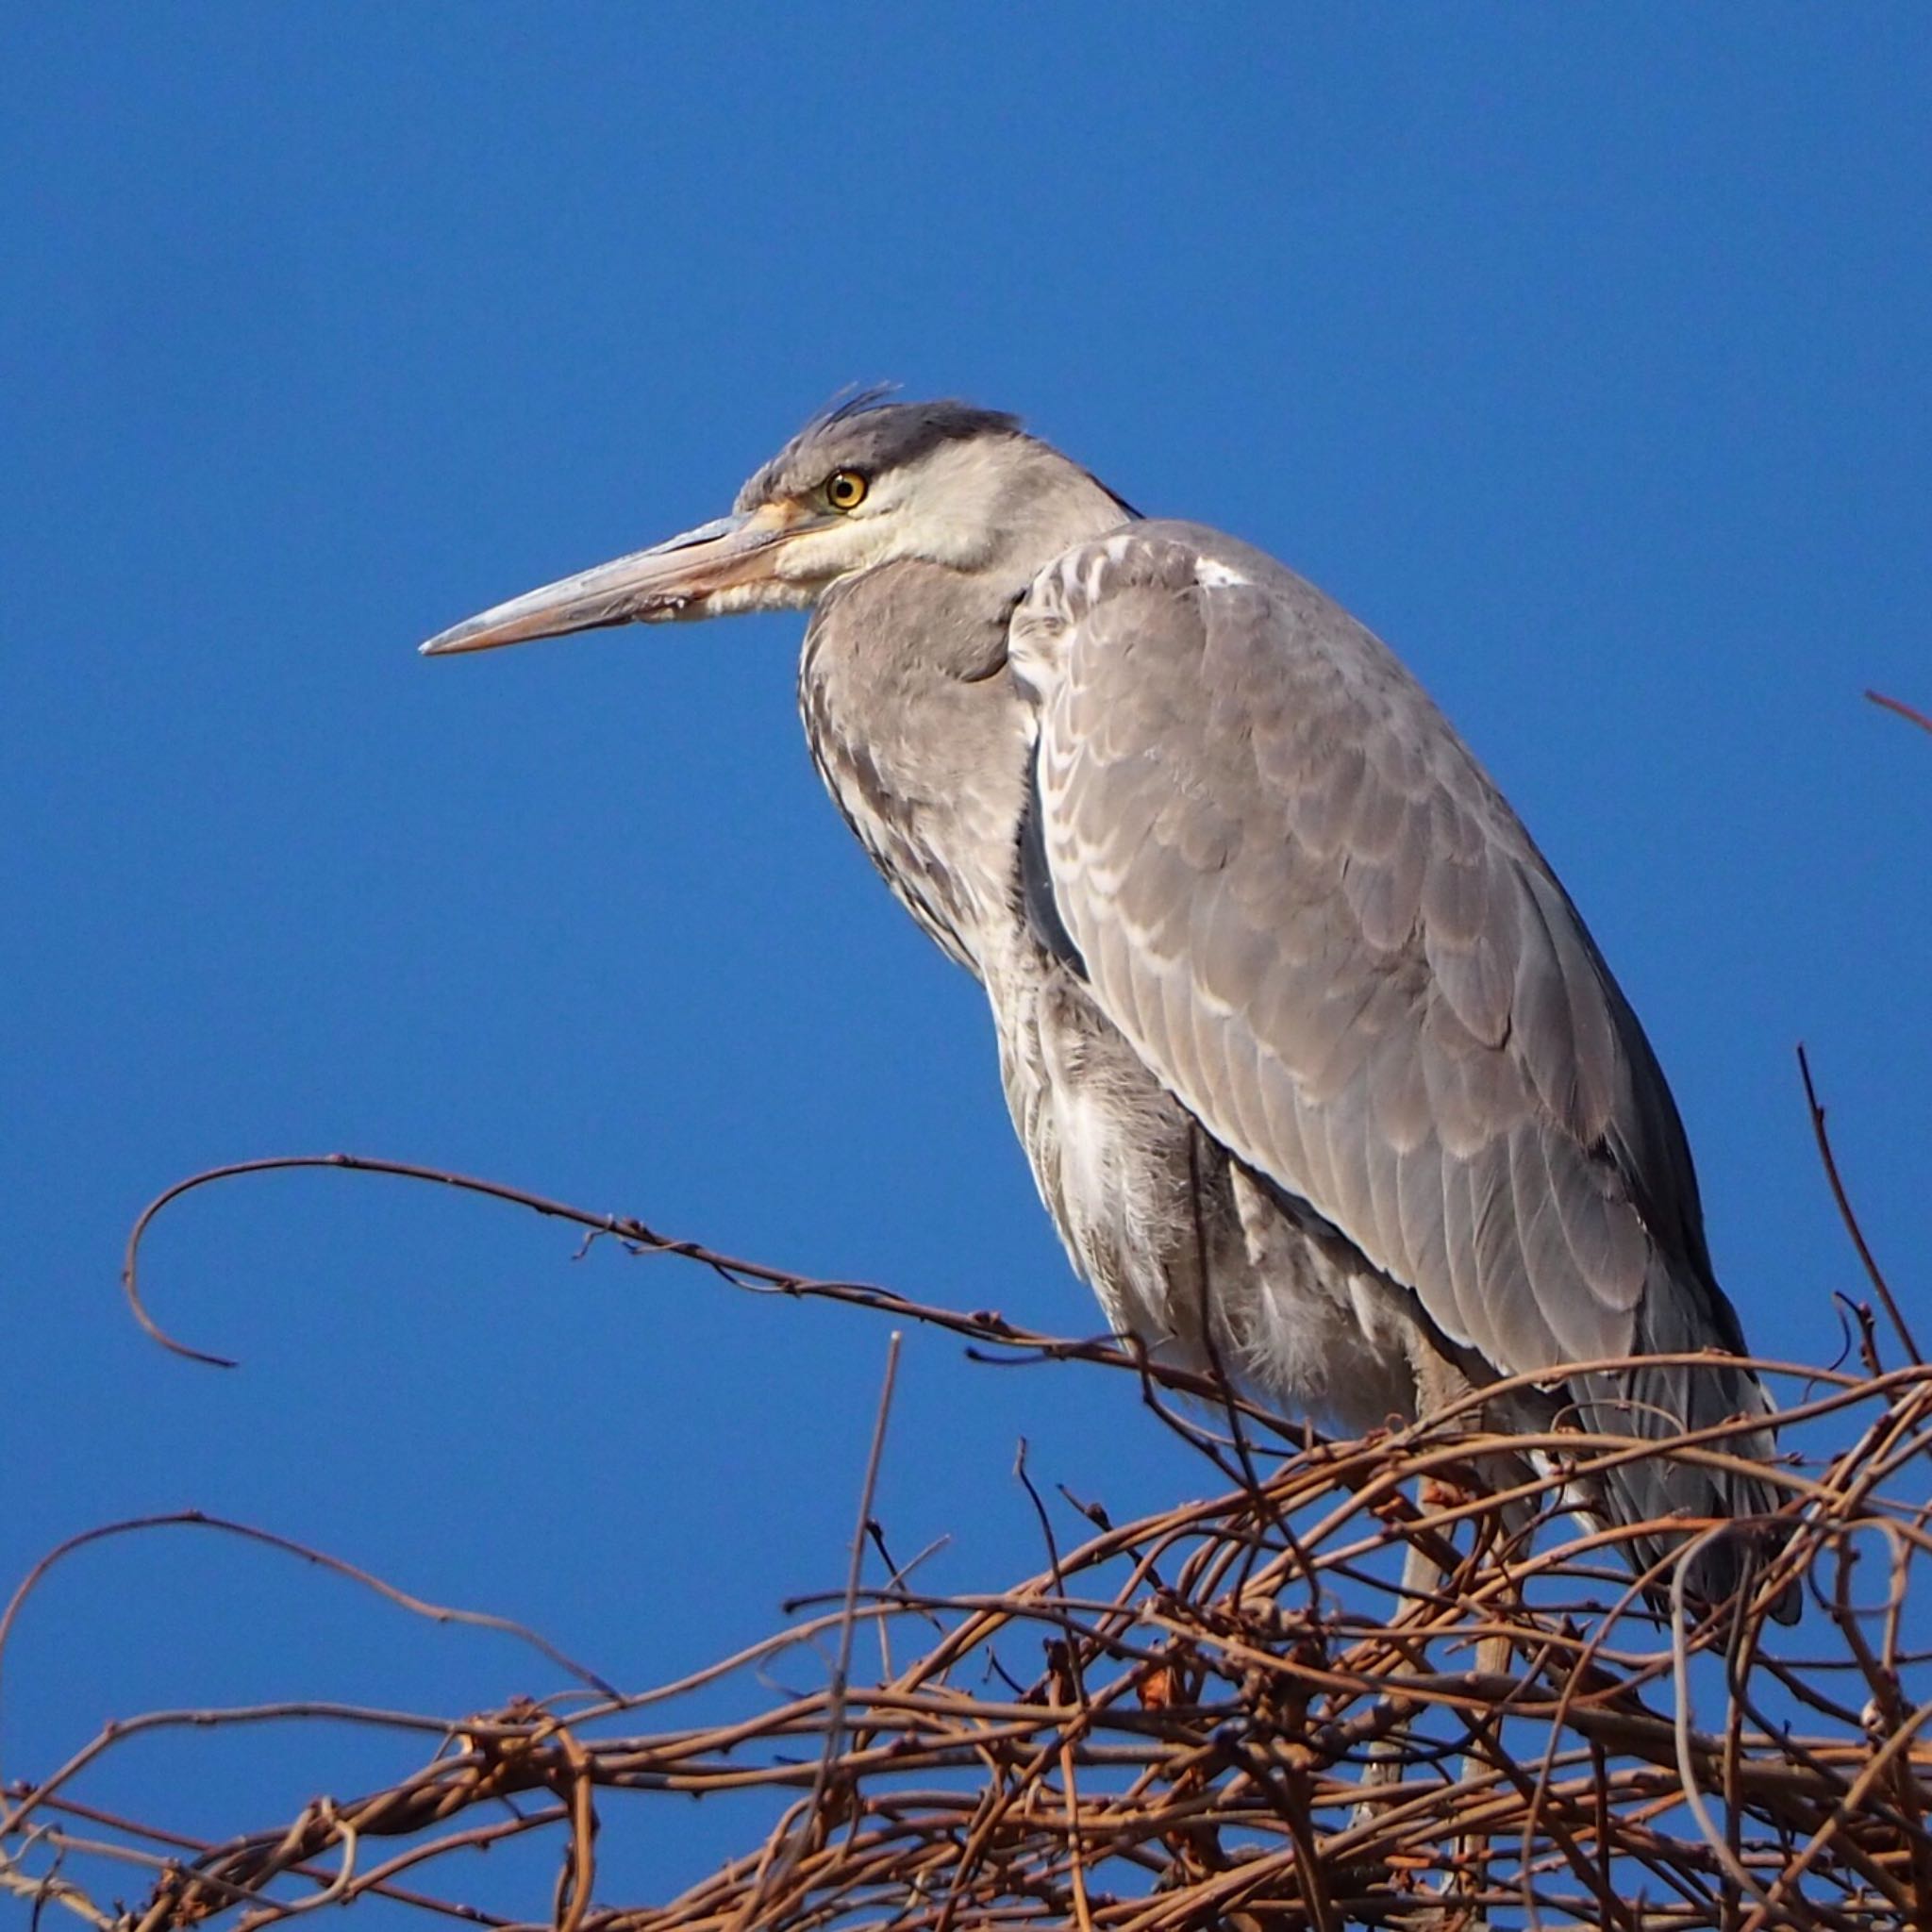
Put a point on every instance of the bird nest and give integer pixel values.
(1230, 1713)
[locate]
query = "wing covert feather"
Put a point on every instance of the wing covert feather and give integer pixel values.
(1314, 916)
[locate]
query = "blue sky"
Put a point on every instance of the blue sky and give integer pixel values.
(1582, 352)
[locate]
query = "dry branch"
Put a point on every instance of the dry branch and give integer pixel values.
(1232, 1716)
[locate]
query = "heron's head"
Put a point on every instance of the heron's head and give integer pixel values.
(867, 484)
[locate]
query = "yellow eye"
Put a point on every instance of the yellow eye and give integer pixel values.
(845, 489)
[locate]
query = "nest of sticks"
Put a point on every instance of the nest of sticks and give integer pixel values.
(1232, 1713)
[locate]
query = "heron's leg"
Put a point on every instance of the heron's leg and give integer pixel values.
(1494, 1657)
(1494, 1653)
(1438, 1384)
(1422, 1577)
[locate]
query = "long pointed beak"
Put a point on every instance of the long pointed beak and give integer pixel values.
(670, 580)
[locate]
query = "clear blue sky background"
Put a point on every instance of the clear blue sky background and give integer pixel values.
(1582, 351)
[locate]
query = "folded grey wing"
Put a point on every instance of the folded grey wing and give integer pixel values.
(1312, 914)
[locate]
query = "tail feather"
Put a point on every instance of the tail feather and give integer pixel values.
(1659, 1402)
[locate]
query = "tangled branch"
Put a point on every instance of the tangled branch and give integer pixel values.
(1235, 1713)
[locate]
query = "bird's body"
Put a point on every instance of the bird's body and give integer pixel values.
(1319, 1074)
(927, 743)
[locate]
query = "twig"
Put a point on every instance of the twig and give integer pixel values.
(841, 1671)
(1903, 709)
(1881, 1287)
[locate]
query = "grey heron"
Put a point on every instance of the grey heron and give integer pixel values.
(1317, 1068)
